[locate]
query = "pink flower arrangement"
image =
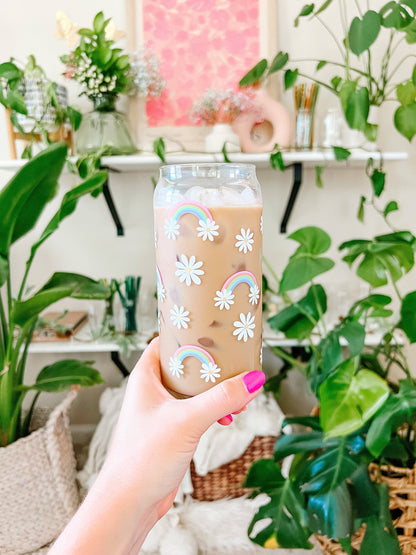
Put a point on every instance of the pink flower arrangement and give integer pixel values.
(221, 106)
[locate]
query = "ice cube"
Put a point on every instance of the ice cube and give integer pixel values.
(248, 196)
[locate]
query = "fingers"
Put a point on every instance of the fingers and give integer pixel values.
(225, 398)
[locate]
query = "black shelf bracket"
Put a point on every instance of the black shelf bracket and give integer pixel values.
(110, 203)
(297, 181)
(115, 357)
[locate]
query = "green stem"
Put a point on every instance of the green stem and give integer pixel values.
(397, 290)
(347, 43)
(318, 306)
(23, 284)
(281, 353)
(325, 85)
(331, 32)
(338, 64)
(398, 65)
(358, 8)
(273, 273)
(4, 333)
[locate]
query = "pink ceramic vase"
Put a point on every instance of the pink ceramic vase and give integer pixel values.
(267, 125)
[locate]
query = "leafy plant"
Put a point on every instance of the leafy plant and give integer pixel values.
(22, 201)
(96, 64)
(357, 79)
(364, 415)
(13, 81)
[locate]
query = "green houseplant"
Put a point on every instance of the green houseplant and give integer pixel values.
(41, 114)
(21, 202)
(365, 415)
(357, 79)
(104, 72)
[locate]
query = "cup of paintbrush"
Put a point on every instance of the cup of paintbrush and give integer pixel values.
(305, 101)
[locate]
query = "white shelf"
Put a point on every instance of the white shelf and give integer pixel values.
(143, 162)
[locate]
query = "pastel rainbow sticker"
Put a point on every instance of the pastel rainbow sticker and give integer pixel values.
(209, 369)
(195, 208)
(161, 292)
(225, 297)
(207, 227)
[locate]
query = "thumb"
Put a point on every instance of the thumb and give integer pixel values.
(226, 397)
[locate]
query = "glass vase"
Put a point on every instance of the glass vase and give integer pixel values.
(104, 129)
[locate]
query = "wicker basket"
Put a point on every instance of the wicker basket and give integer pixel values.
(402, 487)
(227, 480)
(38, 491)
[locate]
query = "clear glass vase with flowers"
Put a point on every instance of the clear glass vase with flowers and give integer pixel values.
(220, 109)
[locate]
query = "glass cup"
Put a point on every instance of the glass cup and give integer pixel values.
(208, 236)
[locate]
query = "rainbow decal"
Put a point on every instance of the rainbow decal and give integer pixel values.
(240, 277)
(209, 370)
(195, 208)
(161, 292)
(193, 351)
(225, 297)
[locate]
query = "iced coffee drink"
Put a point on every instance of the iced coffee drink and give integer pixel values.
(208, 235)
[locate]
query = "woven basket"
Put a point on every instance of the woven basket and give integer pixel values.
(227, 480)
(38, 491)
(402, 488)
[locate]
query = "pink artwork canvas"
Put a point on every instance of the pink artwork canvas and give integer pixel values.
(201, 44)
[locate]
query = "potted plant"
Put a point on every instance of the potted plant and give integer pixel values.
(38, 107)
(42, 458)
(104, 72)
(362, 440)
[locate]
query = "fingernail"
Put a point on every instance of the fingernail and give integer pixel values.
(254, 380)
(229, 418)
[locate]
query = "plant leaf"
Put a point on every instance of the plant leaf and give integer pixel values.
(24, 197)
(360, 213)
(349, 400)
(406, 92)
(341, 153)
(23, 311)
(290, 78)
(396, 15)
(305, 263)
(74, 117)
(391, 206)
(318, 176)
(357, 108)
(285, 508)
(330, 514)
(68, 205)
(60, 375)
(321, 64)
(408, 316)
(4, 270)
(299, 319)
(279, 62)
(82, 287)
(159, 148)
(405, 120)
(276, 161)
(306, 10)
(363, 32)
(378, 180)
(254, 75)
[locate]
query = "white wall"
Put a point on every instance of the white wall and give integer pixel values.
(87, 242)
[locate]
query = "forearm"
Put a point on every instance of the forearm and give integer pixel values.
(112, 520)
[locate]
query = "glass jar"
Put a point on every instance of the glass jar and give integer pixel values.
(208, 234)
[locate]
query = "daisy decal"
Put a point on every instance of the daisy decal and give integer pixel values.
(209, 372)
(245, 240)
(261, 224)
(224, 299)
(179, 317)
(161, 292)
(207, 230)
(176, 367)
(254, 295)
(244, 328)
(189, 270)
(171, 229)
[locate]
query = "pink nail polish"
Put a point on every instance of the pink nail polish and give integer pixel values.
(254, 380)
(229, 418)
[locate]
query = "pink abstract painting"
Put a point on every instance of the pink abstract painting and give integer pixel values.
(201, 44)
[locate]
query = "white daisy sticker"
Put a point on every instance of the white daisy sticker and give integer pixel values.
(244, 327)
(245, 240)
(189, 270)
(254, 295)
(224, 299)
(161, 292)
(176, 367)
(171, 229)
(179, 317)
(210, 371)
(261, 224)
(207, 230)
